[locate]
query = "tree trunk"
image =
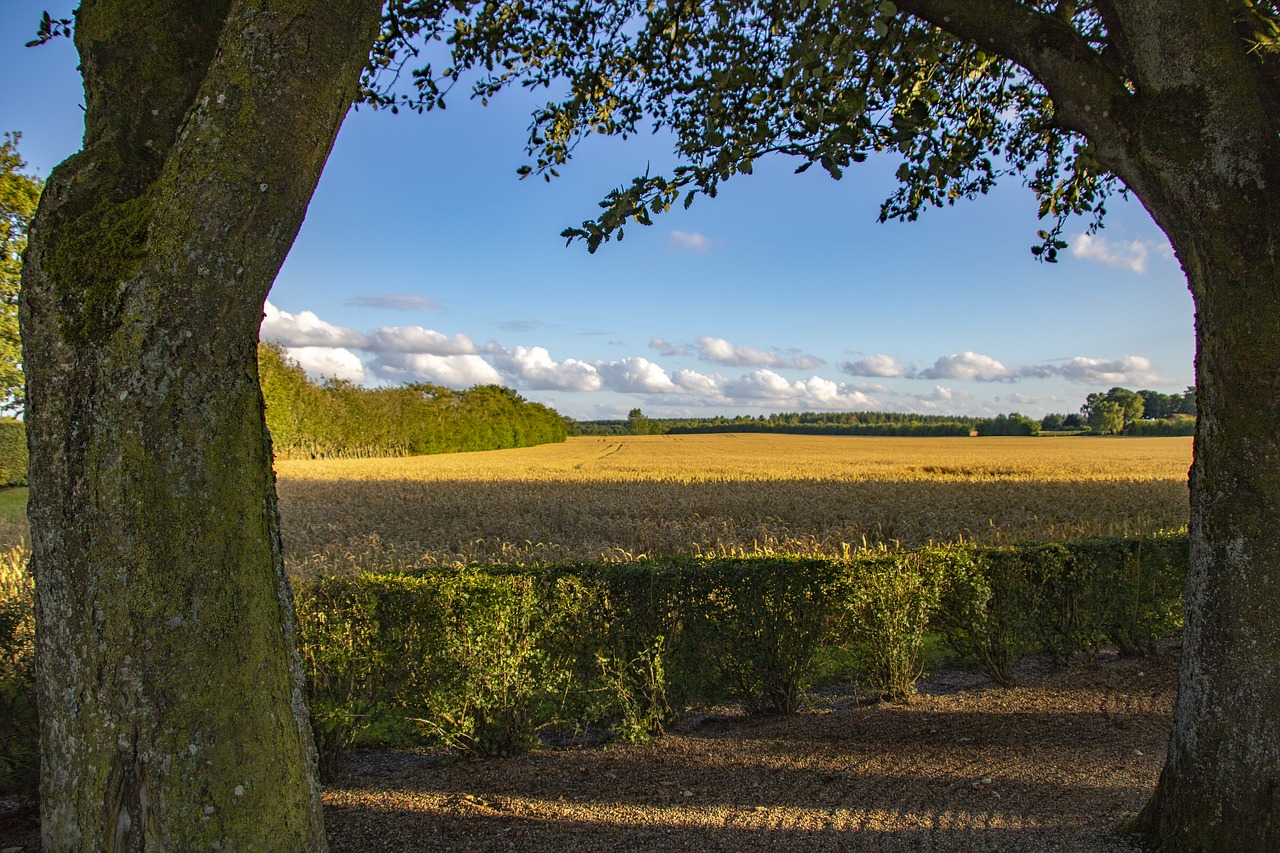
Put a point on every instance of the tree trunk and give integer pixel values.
(1220, 788)
(172, 704)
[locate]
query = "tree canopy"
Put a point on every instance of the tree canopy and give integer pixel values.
(959, 91)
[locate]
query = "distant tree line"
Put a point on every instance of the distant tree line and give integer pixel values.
(815, 423)
(1120, 411)
(340, 419)
(1114, 412)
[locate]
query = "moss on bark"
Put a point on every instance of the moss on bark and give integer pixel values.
(172, 703)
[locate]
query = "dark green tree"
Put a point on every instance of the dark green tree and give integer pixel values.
(1128, 402)
(1128, 407)
(1051, 422)
(638, 424)
(1188, 404)
(1106, 417)
(1157, 405)
(1176, 102)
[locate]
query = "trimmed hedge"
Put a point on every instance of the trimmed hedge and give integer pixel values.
(481, 659)
(13, 452)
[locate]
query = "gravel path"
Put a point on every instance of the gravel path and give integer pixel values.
(1054, 764)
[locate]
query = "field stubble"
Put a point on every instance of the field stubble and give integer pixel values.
(623, 497)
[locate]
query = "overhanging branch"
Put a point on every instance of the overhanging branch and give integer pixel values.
(1086, 91)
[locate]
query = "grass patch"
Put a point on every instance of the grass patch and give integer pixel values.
(13, 504)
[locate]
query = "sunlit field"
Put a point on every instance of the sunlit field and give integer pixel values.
(621, 497)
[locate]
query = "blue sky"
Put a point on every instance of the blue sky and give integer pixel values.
(425, 258)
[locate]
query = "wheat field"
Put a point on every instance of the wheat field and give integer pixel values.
(621, 497)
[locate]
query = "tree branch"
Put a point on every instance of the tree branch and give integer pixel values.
(1086, 91)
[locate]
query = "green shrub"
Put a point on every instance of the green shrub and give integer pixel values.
(13, 452)
(987, 609)
(889, 601)
(1144, 580)
(770, 617)
(467, 658)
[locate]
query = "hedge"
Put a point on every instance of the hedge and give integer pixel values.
(484, 659)
(13, 452)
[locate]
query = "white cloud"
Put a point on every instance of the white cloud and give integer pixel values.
(875, 365)
(396, 302)
(764, 387)
(759, 385)
(698, 384)
(328, 363)
(967, 365)
(940, 397)
(535, 367)
(454, 371)
(690, 241)
(721, 351)
(305, 329)
(1129, 370)
(416, 339)
(636, 375)
(1121, 254)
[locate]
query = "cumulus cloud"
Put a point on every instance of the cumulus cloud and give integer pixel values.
(689, 241)
(1129, 370)
(668, 349)
(1121, 254)
(416, 339)
(636, 375)
(697, 384)
(765, 387)
(535, 367)
(454, 371)
(721, 351)
(880, 365)
(305, 329)
(396, 302)
(328, 363)
(967, 365)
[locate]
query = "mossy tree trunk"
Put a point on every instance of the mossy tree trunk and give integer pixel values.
(1220, 788)
(172, 703)
(1202, 151)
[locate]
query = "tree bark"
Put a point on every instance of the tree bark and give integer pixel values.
(1220, 788)
(172, 704)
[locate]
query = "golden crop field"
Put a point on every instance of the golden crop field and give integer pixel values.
(623, 496)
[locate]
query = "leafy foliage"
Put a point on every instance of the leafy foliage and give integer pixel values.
(339, 419)
(483, 659)
(829, 82)
(19, 194)
(13, 452)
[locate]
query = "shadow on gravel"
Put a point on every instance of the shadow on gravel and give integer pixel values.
(1051, 766)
